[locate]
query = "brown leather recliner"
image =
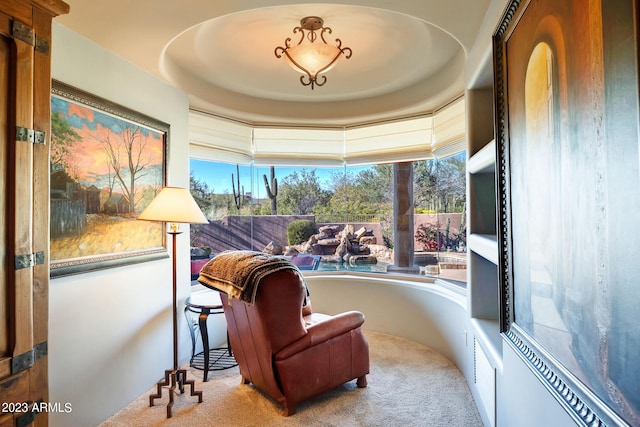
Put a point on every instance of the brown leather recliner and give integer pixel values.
(290, 353)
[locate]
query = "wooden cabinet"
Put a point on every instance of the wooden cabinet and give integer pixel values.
(25, 88)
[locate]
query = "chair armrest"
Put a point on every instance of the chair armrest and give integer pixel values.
(323, 331)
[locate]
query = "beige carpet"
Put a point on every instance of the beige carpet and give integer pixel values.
(409, 385)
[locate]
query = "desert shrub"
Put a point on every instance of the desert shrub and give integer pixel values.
(299, 231)
(428, 235)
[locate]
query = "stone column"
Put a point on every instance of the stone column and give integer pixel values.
(403, 219)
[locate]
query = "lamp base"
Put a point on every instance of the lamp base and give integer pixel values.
(174, 378)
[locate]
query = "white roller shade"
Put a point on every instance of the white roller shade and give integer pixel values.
(296, 147)
(215, 139)
(406, 140)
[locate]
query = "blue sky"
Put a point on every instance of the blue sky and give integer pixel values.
(92, 117)
(218, 175)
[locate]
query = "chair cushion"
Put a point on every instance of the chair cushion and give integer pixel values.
(322, 331)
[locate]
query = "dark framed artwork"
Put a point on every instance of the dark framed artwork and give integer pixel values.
(107, 163)
(568, 162)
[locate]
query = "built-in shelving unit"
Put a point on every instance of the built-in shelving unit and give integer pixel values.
(482, 241)
(483, 253)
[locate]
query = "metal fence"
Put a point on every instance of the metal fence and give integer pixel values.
(348, 218)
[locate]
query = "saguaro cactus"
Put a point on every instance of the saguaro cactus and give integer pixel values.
(447, 238)
(272, 191)
(238, 197)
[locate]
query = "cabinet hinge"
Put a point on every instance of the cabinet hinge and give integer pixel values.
(42, 45)
(27, 359)
(29, 417)
(25, 419)
(41, 350)
(22, 362)
(26, 34)
(30, 135)
(22, 32)
(28, 260)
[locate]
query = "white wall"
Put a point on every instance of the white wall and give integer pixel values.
(110, 334)
(428, 313)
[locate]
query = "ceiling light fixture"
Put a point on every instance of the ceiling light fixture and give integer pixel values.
(312, 57)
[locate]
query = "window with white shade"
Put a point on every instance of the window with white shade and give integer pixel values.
(252, 183)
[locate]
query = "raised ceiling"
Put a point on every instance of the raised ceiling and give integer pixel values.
(408, 56)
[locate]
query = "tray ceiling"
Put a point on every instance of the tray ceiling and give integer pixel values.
(408, 57)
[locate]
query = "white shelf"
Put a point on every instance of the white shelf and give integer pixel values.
(485, 245)
(484, 161)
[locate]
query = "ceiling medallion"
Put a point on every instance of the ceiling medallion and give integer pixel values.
(310, 56)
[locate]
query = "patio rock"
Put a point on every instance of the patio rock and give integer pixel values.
(330, 230)
(341, 245)
(381, 251)
(361, 232)
(273, 248)
(328, 242)
(343, 248)
(368, 240)
(315, 250)
(290, 251)
(361, 259)
(360, 250)
(199, 252)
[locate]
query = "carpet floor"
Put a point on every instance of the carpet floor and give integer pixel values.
(408, 385)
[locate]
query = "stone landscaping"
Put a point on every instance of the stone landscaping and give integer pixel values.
(337, 244)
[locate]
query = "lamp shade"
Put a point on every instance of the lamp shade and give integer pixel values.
(174, 204)
(312, 58)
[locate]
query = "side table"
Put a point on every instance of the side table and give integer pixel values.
(203, 304)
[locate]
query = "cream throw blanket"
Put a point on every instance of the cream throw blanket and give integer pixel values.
(238, 273)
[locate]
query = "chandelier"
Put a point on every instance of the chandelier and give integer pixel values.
(312, 56)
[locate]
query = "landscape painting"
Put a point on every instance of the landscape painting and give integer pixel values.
(106, 164)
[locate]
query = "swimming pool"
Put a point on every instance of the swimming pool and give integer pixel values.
(379, 267)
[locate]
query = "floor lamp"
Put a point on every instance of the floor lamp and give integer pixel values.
(173, 206)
